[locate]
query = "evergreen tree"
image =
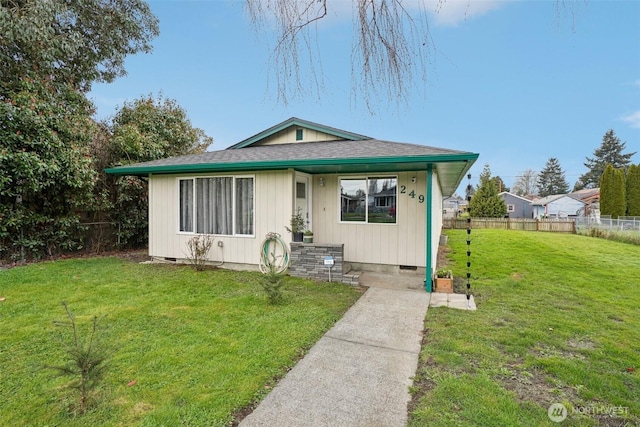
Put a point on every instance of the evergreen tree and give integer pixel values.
(50, 54)
(610, 152)
(633, 190)
(72, 43)
(579, 185)
(551, 179)
(143, 130)
(500, 185)
(485, 202)
(45, 170)
(606, 189)
(620, 196)
(612, 192)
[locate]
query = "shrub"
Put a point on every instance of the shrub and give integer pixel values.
(198, 249)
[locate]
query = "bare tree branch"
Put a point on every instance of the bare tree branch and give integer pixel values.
(390, 49)
(391, 46)
(293, 20)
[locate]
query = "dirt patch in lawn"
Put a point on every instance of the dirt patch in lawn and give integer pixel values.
(533, 385)
(137, 255)
(131, 255)
(443, 256)
(422, 384)
(529, 385)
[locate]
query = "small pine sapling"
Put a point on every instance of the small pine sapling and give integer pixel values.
(272, 281)
(86, 361)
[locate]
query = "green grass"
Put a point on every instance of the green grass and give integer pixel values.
(558, 320)
(200, 345)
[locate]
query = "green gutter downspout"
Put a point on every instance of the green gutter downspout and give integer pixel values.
(427, 280)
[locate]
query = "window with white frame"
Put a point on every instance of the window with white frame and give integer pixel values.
(368, 199)
(217, 205)
(511, 208)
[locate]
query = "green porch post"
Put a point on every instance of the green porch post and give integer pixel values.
(428, 281)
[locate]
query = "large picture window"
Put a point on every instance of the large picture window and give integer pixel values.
(217, 205)
(368, 200)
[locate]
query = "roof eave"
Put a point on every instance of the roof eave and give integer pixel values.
(286, 164)
(448, 182)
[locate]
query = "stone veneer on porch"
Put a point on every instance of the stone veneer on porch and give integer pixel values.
(307, 260)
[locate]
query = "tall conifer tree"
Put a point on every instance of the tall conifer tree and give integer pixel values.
(609, 152)
(551, 179)
(633, 190)
(485, 202)
(612, 192)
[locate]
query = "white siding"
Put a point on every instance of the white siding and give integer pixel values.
(402, 243)
(564, 207)
(273, 207)
(288, 135)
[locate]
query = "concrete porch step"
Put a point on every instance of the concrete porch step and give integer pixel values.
(352, 278)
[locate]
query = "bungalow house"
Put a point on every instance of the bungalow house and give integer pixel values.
(517, 207)
(557, 206)
(381, 201)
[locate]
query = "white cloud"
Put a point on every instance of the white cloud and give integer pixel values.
(443, 12)
(632, 119)
(453, 12)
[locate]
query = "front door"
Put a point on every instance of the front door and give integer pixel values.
(303, 197)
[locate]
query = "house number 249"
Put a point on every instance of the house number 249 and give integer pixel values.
(412, 194)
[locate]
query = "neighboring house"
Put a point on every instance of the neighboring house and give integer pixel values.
(517, 207)
(453, 206)
(382, 200)
(558, 206)
(591, 199)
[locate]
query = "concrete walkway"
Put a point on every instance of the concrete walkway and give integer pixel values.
(359, 372)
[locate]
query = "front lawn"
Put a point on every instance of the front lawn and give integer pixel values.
(558, 321)
(188, 348)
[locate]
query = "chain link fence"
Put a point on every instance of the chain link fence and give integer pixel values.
(625, 227)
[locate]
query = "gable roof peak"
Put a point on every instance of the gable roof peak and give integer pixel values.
(514, 195)
(295, 121)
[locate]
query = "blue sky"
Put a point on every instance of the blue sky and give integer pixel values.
(516, 81)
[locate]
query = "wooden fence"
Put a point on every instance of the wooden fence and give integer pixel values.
(563, 226)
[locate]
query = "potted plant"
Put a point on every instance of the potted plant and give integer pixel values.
(297, 225)
(308, 236)
(444, 281)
